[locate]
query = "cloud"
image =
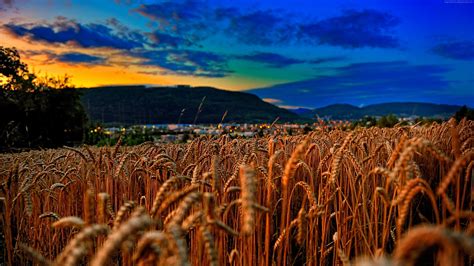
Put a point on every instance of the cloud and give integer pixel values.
(366, 83)
(291, 107)
(185, 62)
(5, 4)
(117, 25)
(458, 50)
(225, 13)
(270, 59)
(271, 100)
(195, 20)
(328, 59)
(262, 27)
(80, 58)
(154, 49)
(63, 31)
(188, 18)
(353, 29)
(72, 58)
(111, 34)
(166, 40)
(275, 60)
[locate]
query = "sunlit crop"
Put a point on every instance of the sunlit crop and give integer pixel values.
(378, 195)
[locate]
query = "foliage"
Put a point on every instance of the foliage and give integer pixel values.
(366, 121)
(428, 121)
(387, 121)
(391, 121)
(36, 111)
(464, 112)
(14, 74)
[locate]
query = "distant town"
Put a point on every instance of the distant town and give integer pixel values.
(184, 132)
(168, 133)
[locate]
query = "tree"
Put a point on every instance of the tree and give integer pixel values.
(464, 112)
(387, 121)
(366, 121)
(36, 111)
(14, 74)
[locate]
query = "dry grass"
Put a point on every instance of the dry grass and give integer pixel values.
(370, 197)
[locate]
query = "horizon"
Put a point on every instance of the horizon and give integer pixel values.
(290, 108)
(305, 54)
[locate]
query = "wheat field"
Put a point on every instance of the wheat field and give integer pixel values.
(377, 196)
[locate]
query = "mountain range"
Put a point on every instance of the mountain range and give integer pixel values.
(129, 105)
(401, 109)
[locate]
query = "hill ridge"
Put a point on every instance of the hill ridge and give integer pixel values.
(128, 105)
(405, 109)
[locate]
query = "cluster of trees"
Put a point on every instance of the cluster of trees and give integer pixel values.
(392, 120)
(100, 138)
(464, 112)
(370, 121)
(36, 111)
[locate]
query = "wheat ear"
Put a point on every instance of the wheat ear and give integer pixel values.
(113, 242)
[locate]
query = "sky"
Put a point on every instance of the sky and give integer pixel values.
(290, 53)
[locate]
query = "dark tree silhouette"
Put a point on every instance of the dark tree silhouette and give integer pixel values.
(464, 112)
(14, 74)
(36, 111)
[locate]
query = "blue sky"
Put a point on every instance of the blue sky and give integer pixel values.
(291, 53)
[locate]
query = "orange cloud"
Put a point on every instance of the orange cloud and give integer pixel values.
(271, 100)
